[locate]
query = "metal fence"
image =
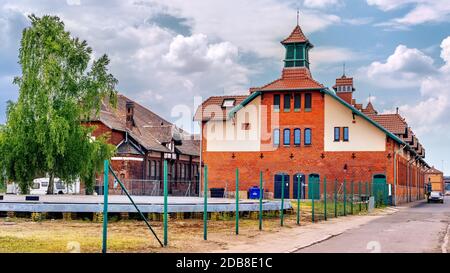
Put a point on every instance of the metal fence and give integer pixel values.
(155, 187)
(329, 199)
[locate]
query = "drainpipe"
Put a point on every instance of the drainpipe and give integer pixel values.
(409, 166)
(395, 173)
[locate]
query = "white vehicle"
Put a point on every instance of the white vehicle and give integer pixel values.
(436, 196)
(40, 187)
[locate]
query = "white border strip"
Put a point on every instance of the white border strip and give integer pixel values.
(128, 158)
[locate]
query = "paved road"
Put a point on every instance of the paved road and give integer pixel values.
(420, 228)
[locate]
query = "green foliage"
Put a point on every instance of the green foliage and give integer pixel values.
(58, 89)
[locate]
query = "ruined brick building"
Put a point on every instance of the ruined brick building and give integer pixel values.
(296, 127)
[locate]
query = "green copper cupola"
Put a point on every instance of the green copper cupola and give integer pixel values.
(297, 49)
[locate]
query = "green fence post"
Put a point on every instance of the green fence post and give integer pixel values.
(313, 190)
(261, 192)
(335, 198)
(165, 203)
(345, 197)
(105, 205)
(367, 196)
(325, 197)
(237, 201)
(299, 192)
(205, 207)
(359, 195)
(282, 201)
(352, 193)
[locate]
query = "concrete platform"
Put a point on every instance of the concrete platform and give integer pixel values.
(120, 203)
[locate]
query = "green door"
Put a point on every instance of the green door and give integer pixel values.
(380, 189)
(314, 186)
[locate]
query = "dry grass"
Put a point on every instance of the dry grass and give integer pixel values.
(25, 235)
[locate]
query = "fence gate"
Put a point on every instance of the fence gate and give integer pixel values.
(380, 189)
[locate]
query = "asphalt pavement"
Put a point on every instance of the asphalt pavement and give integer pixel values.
(421, 228)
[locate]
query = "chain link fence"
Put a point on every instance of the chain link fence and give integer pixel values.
(155, 187)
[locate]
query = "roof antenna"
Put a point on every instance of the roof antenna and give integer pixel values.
(370, 98)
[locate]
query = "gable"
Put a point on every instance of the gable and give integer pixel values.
(128, 148)
(363, 135)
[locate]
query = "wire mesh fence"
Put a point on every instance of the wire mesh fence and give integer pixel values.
(329, 199)
(156, 187)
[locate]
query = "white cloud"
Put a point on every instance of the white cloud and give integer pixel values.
(320, 3)
(153, 62)
(422, 11)
(430, 114)
(406, 67)
(445, 53)
(321, 55)
(371, 99)
(73, 2)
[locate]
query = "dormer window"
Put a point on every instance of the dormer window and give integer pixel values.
(228, 103)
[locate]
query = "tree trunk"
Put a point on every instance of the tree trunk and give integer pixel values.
(51, 184)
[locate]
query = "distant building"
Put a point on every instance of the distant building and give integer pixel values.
(144, 140)
(435, 177)
(447, 184)
(294, 127)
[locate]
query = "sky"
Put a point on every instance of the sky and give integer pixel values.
(169, 55)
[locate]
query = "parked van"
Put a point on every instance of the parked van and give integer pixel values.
(40, 187)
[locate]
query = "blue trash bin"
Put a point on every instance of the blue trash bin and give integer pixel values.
(253, 193)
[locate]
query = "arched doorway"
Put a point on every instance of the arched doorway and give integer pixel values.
(278, 185)
(295, 179)
(314, 186)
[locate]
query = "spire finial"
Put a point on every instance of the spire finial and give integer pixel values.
(298, 16)
(370, 98)
(343, 69)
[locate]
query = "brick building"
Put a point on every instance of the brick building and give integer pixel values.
(144, 140)
(435, 177)
(296, 127)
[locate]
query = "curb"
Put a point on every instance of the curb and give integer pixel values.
(314, 243)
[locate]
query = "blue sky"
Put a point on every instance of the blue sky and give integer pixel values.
(171, 54)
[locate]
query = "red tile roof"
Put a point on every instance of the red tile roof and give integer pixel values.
(369, 110)
(392, 122)
(297, 36)
(293, 78)
(211, 109)
(149, 130)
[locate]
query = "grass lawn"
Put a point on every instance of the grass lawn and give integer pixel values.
(185, 235)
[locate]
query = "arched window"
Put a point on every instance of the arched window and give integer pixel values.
(276, 137)
(297, 136)
(287, 137)
(308, 136)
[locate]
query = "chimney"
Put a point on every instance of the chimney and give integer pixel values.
(344, 88)
(130, 114)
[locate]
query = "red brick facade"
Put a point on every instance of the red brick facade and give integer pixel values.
(405, 176)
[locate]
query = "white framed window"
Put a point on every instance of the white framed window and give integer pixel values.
(228, 103)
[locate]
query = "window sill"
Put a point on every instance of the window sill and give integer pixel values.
(287, 110)
(307, 145)
(297, 110)
(276, 110)
(308, 110)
